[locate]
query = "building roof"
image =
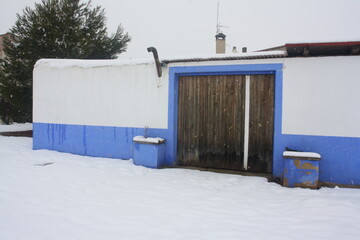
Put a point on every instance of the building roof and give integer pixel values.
(224, 57)
(291, 50)
(323, 49)
(277, 48)
(86, 63)
(306, 49)
(312, 49)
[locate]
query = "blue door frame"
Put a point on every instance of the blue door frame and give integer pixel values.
(243, 69)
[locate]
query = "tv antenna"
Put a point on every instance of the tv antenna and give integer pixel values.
(218, 24)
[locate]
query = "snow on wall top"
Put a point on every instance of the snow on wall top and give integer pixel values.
(88, 63)
(228, 56)
(148, 140)
(289, 154)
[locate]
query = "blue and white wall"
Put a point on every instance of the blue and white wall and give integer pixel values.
(96, 107)
(320, 113)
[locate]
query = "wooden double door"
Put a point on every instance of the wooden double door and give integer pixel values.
(226, 122)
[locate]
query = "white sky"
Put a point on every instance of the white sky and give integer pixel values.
(188, 27)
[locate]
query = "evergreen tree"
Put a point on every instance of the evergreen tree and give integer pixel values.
(53, 29)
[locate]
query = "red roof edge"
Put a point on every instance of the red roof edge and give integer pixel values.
(322, 44)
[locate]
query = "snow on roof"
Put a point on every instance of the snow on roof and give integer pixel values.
(232, 56)
(88, 63)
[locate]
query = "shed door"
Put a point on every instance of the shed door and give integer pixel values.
(213, 130)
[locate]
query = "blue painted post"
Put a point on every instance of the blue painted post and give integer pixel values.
(301, 169)
(149, 152)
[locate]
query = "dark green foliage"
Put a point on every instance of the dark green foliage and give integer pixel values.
(53, 29)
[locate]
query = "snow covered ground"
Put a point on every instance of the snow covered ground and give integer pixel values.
(47, 195)
(16, 127)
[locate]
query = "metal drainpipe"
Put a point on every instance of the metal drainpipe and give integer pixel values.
(157, 61)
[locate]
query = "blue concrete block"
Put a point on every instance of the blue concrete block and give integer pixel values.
(301, 173)
(149, 155)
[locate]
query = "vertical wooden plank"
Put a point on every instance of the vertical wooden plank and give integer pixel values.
(181, 122)
(203, 109)
(261, 125)
(210, 125)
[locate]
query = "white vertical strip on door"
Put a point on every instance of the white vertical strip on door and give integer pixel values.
(247, 120)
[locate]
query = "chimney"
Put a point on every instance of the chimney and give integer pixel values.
(220, 43)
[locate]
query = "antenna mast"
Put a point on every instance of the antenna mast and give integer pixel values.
(217, 20)
(218, 24)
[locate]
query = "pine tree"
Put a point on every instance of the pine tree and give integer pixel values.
(53, 29)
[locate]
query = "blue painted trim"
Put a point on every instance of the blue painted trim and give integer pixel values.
(278, 165)
(243, 69)
(227, 69)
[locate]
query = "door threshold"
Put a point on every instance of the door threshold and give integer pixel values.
(268, 176)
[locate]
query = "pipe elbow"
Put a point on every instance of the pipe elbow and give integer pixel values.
(156, 58)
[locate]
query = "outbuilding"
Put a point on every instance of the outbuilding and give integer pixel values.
(236, 112)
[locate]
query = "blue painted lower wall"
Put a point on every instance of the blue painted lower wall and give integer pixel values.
(340, 156)
(340, 162)
(96, 141)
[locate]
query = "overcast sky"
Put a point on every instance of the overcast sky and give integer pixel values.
(188, 27)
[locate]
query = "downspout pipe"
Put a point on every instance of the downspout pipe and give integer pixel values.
(157, 61)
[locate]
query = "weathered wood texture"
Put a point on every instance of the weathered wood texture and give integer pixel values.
(261, 126)
(211, 123)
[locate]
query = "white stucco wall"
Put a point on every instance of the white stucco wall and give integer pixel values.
(120, 95)
(320, 94)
